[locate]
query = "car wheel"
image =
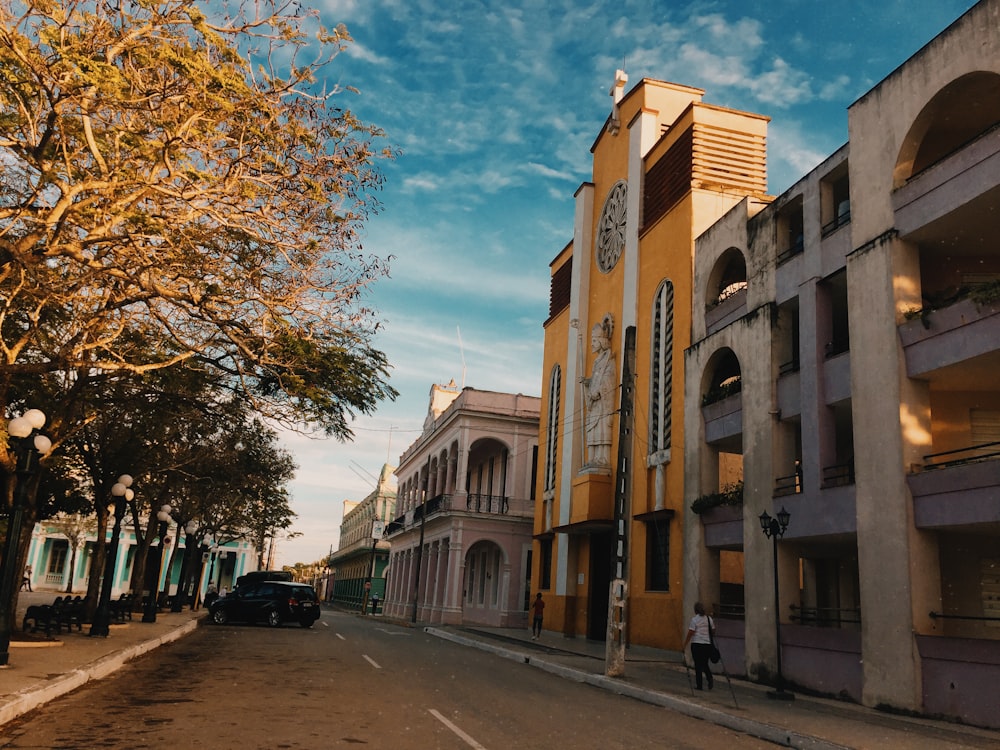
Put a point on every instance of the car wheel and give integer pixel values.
(219, 616)
(273, 618)
(306, 623)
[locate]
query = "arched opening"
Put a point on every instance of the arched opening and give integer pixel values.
(483, 583)
(486, 480)
(722, 377)
(728, 278)
(959, 113)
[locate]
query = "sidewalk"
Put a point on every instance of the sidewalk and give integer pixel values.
(659, 677)
(40, 670)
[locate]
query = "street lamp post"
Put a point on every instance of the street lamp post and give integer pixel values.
(774, 529)
(149, 612)
(122, 493)
(378, 529)
(186, 562)
(28, 445)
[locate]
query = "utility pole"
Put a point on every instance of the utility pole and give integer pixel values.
(614, 656)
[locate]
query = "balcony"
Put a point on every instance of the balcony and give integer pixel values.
(789, 390)
(831, 512)
(723, 418)
(948, 185)
(837, 373)
(838, 475)
(957, 488)
(476, 503)
(962, 331)
(731, 306)
(796, 248)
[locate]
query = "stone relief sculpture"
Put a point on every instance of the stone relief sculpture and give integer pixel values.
(599, 395)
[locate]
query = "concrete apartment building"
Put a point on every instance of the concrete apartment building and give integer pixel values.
(851, 379)
(360, 558)
(666, 166)
(461, 539)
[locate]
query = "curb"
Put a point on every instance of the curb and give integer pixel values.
(33, 697)
(759, 729)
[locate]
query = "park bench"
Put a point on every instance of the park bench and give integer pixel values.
(41, 616)
(121, 608)
(74, 612)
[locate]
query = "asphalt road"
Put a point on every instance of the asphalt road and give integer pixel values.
(347, 681)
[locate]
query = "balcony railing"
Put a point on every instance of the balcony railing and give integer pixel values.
(843, 217)
(789, 367)
(838, 475)
(826, 616)
(732, 611)
(473, 503)
(796, 248)
(790, 485)
(835, 347)
(960, 456)
(977, 618)
(478, 503)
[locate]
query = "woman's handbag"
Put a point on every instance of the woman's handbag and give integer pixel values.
(714, 656)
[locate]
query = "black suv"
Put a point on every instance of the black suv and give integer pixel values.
(271, 602)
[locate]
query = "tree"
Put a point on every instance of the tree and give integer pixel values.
(184, 179)
(165, 177)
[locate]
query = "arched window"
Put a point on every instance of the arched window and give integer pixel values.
(661, 368)
(552, 428)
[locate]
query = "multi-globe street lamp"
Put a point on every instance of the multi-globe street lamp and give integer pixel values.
(122, 493)
(149, 612)
(29, 445)
(774, 529)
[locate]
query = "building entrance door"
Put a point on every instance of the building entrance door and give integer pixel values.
(600, 583)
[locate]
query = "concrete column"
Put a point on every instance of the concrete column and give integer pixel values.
(894, 599)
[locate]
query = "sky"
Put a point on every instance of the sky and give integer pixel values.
(494, 107)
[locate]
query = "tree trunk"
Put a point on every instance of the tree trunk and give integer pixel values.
(139, 561)
(72, 568)
(97, 561)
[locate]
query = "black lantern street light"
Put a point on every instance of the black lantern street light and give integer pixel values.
(149, 612)
(213, 550)
(774, 529)
(122, 493)
(29, 445)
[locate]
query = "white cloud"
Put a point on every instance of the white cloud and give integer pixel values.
(781, 86)
(365, 54)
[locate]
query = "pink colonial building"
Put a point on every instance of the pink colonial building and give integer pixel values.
(461, 539)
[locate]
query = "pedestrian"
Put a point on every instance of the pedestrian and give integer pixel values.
(375, 603)
(699, 635)
(211, 595)
(26, 579)
(537, 607)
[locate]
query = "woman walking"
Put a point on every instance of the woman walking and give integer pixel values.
(699, 635)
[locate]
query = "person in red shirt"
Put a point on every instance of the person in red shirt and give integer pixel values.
(537, 607)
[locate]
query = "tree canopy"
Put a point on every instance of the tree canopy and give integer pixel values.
(183, 176)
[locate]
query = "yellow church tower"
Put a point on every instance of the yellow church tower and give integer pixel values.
(666, 166)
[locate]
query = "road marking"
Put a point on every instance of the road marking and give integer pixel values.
(468, 740)
(325, 623)
(371, 661)
(390, 632)
(341, 637)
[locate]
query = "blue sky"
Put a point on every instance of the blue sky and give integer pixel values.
(495, 107)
